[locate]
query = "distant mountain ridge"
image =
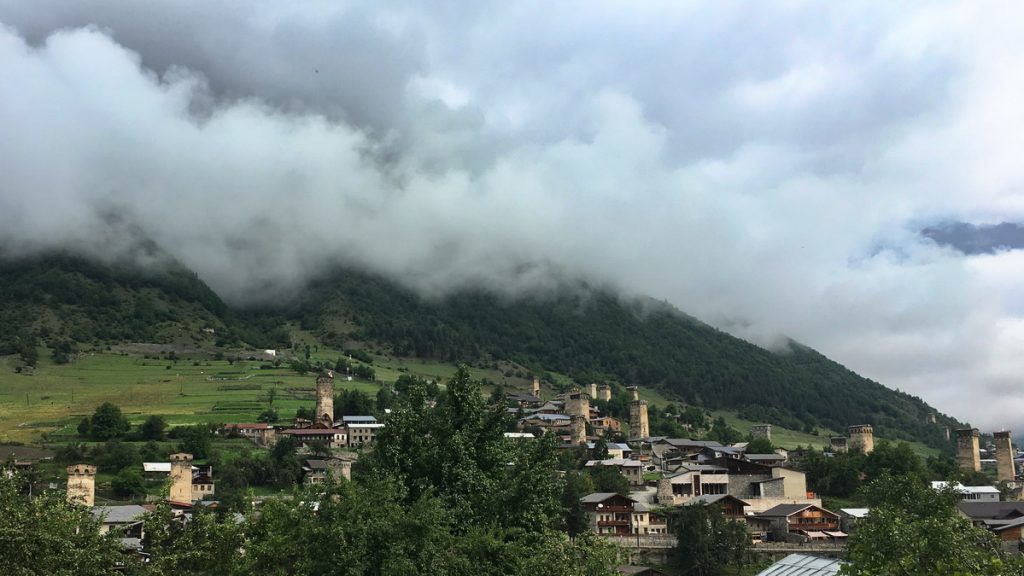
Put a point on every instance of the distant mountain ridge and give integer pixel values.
(587, 333)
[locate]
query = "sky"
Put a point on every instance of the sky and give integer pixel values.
(767, 168)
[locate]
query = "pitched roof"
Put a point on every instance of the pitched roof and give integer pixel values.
(991, 510)
(803, 565)
(712, 498)
(597, 497)
(784, 510)
(629, 463)
(358, 419)
(119, 514)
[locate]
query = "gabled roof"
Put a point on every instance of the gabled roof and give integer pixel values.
(549, 417)
(772, 456)
(713, 498)
(625, 462)
(598, 497)
(687, 443)
(803, 565)
(855, 512)
(991, 510)
(119, 514)
(784, 510)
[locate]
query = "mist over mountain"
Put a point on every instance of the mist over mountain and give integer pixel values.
(585, 332)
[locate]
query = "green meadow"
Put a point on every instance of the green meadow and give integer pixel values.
(55, 397)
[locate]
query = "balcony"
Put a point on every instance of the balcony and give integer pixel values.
(613, 523)
(624, 509)
(816, 526)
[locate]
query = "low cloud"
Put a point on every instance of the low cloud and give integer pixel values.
(767, 172)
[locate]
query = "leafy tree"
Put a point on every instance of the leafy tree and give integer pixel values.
(118, 455)
(128, 482)
(63, 351)
(600, 448)
(760, 446)
(305, 413)
(352, 403)
(914, 530)
(608, 479)
(895, 459)
(574, 518)
(707, 541)
(722, 432)
(458, 451)
(84, 427)
(47, 535)
(153, 428)
(268, 415)
(107, 422)
(195, 440)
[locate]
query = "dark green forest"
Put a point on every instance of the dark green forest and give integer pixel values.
(590, 334)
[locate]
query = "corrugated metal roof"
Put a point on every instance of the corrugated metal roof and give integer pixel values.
(803, 565)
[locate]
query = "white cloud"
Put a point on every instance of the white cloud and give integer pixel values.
(765, 170)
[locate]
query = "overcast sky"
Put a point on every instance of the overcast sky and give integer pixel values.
(765, 167)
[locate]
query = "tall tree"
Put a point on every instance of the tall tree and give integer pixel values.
(913, 530)
(107, 422)
(47, 535)
(707, 541)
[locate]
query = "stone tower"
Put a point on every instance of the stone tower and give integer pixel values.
(604, 392)
(1004, 457)
(578, 403)
(967, 449)
(181, 478)
(838, 445)
(635, 391)
(536, 387)
(577, 430)
(862, 438)
(761, 431)
(593, 391)
(325, 399)
(639, 426)
(82, 484)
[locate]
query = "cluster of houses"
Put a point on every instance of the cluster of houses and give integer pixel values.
(759, 489)
(354, 431)
(569, 414)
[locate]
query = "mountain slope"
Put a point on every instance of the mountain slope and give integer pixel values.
(593, 335)
(587, 333)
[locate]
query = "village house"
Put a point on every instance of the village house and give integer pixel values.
(804, 521)
(261, 433)
(332, 437)
(362, 434)
(762, 486)
(615, 449)
(317, 471)
(632, 470)
(125, 520)
(605, 425)
(609, 513)
(970, 493)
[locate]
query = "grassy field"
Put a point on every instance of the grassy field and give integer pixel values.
(183, 392)
(55, 397)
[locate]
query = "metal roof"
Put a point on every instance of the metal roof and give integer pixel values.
(803, 565)
(119, 514)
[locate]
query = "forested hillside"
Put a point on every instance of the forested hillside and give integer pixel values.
(586, 333)
(59, 298)
(594, 335)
